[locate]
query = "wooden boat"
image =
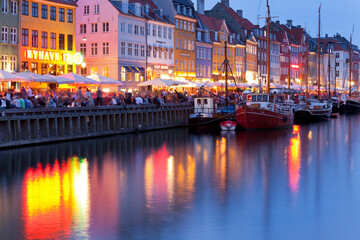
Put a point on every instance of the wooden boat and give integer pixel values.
(228, 125)
(313, 111)
(260, 112)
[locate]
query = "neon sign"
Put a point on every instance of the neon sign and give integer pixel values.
(295, 66)
(51, 56)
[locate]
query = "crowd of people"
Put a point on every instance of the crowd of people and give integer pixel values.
(83, 97)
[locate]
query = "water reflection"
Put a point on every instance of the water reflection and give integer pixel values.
(56, 200)
(176, 185)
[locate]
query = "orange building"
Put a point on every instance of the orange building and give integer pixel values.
(48, 37)
(185, 40)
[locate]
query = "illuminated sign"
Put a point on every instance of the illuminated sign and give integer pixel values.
(295, 66)
(162, 67)
(51, 56)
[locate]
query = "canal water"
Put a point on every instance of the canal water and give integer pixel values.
(300, 183)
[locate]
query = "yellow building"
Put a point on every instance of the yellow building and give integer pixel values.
(185, 41)
(47, 42)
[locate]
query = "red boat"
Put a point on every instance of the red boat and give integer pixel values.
(260, 112)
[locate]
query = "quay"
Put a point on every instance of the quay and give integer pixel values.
(33, 126)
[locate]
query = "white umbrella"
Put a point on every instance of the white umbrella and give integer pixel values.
(36, 77)
(6, 76)
(104, 80)
(60, 80)
(188, 83)
(160, 83)
(78, 79)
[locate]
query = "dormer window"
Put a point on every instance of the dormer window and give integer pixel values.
(190, 12)
(184, 10)
(178, 8)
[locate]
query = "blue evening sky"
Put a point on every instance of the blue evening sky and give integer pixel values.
(338, 16)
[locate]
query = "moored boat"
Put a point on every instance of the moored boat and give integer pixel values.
(313, 111)
(261, 112)
(350, 105)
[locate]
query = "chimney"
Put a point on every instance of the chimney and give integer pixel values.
(278, 22)
(289, 22)
(326, 35)
(226, 3)
(240, 13)
(200, 6)
(125, 6)
(298, 26)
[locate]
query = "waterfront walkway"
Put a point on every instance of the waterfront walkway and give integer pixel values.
(41, 125)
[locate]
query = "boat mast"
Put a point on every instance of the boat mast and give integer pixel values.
(226, 73)
(307, 68)
(350, 63)
(268, 47)
(329, 65)
(319, 56)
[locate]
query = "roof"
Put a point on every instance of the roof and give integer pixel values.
(214, 24)
(66, 2)
(152, 15)
(244, 22)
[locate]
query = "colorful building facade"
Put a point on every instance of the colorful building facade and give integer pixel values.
(48, 37)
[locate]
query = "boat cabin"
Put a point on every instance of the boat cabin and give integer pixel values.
(260, 97)
(204, 105)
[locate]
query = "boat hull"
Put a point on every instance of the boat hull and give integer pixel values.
(306, 116)
(350, 107)
(256, 118)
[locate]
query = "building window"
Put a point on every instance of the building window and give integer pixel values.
(177, 23)
(83, 71)
(96, 9)
(52, 40)
(83, 48)
(337, 74)
(130, 28)
(25, 37)
(170, 33)
(154, 53)
(181, 24)
(34, 38)
(148, 29)
(44, 11)
(53, 13)
(165, 32)
(130, 49)
(142, 51)
(13, 7)
(35, 9)
(61, 14)
(123, 47)
(94, 49)
(136, 30)
(25, 7)
(13, 35)
(185, 26)
(106, 49)
(159, 31)
(69, 15)
(44, 39)
(136, 49)
(123, 27)
(13, 63)
(61, 41)
(82, 28)
(105, 27)
(5, 6)
(4, 62)
(105, 71)
(123, 74)
(70, 42)
(94, 28)
(337, 55)
(93, 70)
(86, 9)
(137, 77)
(154, 31)
(142, 31)
(4, 34)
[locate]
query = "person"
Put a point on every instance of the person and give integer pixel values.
(50, 103)
(139, 100)
(23, 92)
(15, 103)
(87, 93)
(2, 102)
(22, 103)
(29, 92)
(90, 102)
(99, 98)
(9, 96)
(79, 94)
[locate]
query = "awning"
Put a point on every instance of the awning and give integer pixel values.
(137, 69)
(128, 69)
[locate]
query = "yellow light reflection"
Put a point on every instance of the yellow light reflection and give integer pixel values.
(310, 135)
(294, 161)
(56, 200)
